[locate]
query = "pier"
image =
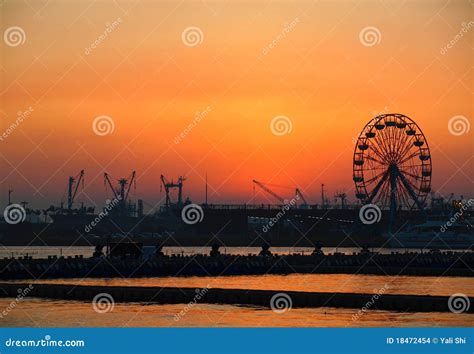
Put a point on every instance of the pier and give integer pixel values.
(263, 298)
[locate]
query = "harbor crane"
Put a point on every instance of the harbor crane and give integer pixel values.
(305, 204)
(269, 191)
(124, 185)
(73, 186)
(171, 185)
(298, 194)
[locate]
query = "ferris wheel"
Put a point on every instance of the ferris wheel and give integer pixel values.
(392, 164)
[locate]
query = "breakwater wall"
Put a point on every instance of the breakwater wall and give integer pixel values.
(429, 264)
(404, 303)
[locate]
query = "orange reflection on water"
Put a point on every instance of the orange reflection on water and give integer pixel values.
(48, 313)
(346, 283)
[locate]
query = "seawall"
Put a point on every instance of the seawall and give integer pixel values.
(403, 303)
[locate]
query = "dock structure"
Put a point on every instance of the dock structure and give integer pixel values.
(426, 264)
(261, 298)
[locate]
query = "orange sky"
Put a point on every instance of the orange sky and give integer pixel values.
(151, 84)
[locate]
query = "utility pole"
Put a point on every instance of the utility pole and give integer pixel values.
(323, 200)
(10, 196)
(69, 192)
(206, 188)
(342, 196)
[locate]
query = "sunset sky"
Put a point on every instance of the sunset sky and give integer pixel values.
(304, 60)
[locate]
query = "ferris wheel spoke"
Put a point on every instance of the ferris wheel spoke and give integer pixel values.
(411, 186)
(408, 147)
(405, 148)
(376, 150)
(404, 198)
(407, 151)
(376, 177)
(384, 195)
(393, 142)
(385, 143)
(411, 174)
(381, 150)
(411, 191)
(412, 164)
(375, 160)
(410, 157)
(402, 138)
(377, 187)
(397, 141)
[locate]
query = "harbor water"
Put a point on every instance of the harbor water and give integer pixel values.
(345, 283)
(49, 313)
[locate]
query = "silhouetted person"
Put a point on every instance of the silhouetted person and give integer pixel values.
(265, 250)
(215, 250)
(318, 250)
(98, 251)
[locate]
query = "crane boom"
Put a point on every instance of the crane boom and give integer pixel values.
(132, 180)
(107, 181)
(80, 179)
(124, 186)
(298, 193)
(74, 183)
(269, 191)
